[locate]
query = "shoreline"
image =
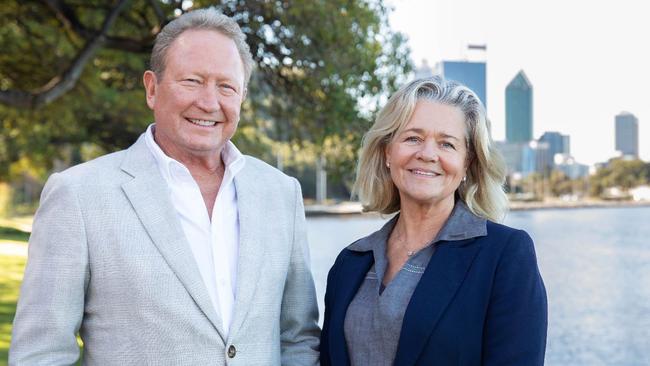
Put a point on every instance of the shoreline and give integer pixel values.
(354, 208)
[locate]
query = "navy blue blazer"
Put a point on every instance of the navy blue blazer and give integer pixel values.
(480, 301)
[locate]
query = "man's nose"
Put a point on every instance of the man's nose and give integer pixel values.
(208, 99)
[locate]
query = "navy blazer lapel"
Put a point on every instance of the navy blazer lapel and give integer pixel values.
(148, 193)
(348, 279)
(437, 287)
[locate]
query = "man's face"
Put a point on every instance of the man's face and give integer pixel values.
(197, 101)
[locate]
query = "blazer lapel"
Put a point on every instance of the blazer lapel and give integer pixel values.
(347, 282)
(251, 249)
(437, 287)
(148, 194)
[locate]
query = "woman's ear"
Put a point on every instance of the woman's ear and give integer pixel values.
(387, 155)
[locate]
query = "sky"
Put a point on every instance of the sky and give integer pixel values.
(587, 60)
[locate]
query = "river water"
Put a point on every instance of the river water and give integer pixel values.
(595, 263)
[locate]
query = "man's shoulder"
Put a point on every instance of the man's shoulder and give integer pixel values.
(94, 170)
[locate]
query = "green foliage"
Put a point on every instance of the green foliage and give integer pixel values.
(323, 69)
(8, 233)
(620, 173)
(11, 274)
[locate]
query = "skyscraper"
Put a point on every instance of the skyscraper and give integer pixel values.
(627, 134)
(519, 109)
(468, 73)
(558, 143)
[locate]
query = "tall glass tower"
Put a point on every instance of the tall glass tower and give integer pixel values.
(519, 109)
(469, 73)
(627, 134)
(558, 143)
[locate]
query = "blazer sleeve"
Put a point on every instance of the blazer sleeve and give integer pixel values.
(51, 304)
(516, 321)
(325, 357)
(299, 315)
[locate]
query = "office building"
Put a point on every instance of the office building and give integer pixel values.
(558, 143)
(519, 109)
(469, 73)
(525, 158)
(536, 159)
(627, 134)
(571, 168)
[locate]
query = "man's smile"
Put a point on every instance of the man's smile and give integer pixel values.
(202, 122)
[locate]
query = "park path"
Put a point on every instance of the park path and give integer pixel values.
(11, 248)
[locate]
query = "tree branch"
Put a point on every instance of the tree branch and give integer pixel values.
(162, 19)
(69, 19)
(63, 83)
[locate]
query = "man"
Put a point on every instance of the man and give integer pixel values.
(179, 250)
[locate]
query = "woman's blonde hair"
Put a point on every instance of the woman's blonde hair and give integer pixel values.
(482, 191)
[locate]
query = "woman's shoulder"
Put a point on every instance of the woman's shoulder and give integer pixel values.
(509, 240)
(496, 229)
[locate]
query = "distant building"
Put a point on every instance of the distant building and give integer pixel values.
(525, 158)
(640, 193)
(424, 71)
(558, 143)
(519, 109)
(536, 158)
(512, 156)
(572, 169)
(627, 134)
(469, 73)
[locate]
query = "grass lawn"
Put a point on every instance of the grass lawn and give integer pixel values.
(11, 274)
(12, 266)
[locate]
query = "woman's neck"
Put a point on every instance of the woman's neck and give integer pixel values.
(420, 224)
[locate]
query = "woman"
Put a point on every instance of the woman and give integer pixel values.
(441, 283)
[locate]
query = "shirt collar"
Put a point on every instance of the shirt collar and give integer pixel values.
(462, 224)
(232, 158)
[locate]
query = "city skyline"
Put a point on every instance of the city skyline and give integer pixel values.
(587, 61)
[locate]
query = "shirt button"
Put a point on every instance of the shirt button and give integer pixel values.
(232, 351)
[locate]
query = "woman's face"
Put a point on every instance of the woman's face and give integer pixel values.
(428, 158)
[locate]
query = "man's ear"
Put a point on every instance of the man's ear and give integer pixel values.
(150, 84)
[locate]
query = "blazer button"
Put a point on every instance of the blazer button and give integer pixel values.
(232, 351)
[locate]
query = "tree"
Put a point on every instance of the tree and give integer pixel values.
(70, 73)
(624, 174)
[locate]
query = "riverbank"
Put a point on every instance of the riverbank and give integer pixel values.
(355, 208)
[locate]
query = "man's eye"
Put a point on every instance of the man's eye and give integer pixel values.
(193, 81)
(228, 87)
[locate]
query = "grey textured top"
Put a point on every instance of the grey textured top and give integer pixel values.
(374, 318)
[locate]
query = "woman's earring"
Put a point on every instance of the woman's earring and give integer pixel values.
(388, 164)
(464, 179)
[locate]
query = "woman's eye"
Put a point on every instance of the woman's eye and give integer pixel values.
(412, 139)
(447, 145)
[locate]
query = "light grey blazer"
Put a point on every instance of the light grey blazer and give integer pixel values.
(108, 259)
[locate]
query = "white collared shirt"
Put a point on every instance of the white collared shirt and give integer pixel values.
(214, 243)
